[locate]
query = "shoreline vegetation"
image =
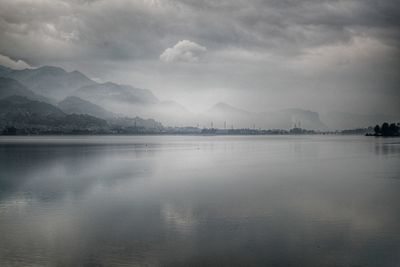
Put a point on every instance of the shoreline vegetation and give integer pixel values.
(30, 131)
(386, 130)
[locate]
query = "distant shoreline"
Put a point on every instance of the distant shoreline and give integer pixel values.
(14, 131)
(183, 134)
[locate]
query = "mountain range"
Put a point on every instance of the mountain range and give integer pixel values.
(21, 112)
(75, 93)
(73, 104)
(52, 82)
(223, 114)
(9, 87)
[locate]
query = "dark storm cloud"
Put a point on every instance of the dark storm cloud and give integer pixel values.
(140, 29)
(306, 22)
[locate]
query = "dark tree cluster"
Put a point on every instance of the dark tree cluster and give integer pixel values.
(387, 129)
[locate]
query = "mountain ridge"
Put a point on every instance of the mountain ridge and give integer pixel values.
(103, 93)
(48, 82)
(76, 105)
(9, 87)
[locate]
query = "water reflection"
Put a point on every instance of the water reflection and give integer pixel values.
(196, 201)
(387, 148)
(52, 171)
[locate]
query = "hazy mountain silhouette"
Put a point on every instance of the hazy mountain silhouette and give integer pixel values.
(130, 101)
(80, 95)
(22, 112)
(9, 87)
(18, 105)
(305, 119)
(240, 118)
(52, 82)
(110, 93)
(76, 105)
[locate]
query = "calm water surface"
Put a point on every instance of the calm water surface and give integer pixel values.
(199, 201)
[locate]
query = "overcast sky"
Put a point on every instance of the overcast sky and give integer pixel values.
(254, 54)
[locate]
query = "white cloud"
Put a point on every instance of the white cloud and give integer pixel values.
(13, 64)
(185, 50)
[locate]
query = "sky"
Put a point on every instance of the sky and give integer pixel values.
(254, 54)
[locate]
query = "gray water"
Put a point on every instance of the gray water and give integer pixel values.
(199, 201)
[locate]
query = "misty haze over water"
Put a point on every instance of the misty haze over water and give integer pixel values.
(198, 201)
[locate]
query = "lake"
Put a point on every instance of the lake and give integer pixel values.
(199, 201)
